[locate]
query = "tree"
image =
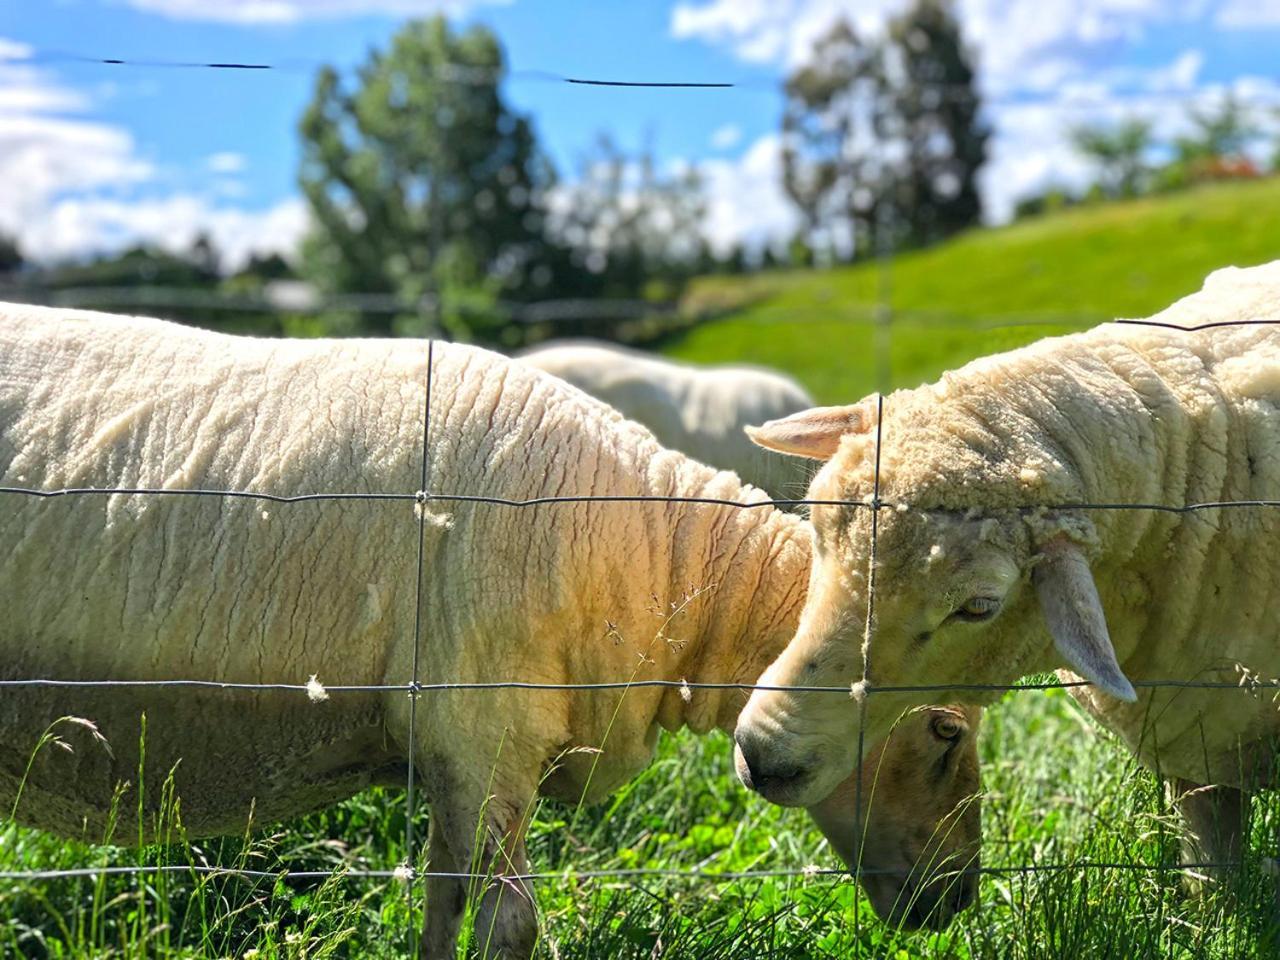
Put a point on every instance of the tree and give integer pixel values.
(935, 114)
(1119, 152)
(11, 259)
(831, 124)
(1219, 132)
(204, 255)
(882, 145)
(424, 183)
(634, 229)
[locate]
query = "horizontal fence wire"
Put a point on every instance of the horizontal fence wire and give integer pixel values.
(316, 687)
(622, 873)
(291, 300)
(604, 498)
(311, 301)
(469, 75)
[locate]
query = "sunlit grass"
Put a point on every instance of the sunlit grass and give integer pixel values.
(1044, 276)
(1058, 792)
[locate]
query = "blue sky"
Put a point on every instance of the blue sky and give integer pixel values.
(94, 156)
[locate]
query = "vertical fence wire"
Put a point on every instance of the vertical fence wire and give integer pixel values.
(420, 505)
(882, 311)
(862, 688)
(883, 373)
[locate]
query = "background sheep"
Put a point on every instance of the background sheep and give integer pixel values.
(979, 582)
(700, 411)
(170, 587)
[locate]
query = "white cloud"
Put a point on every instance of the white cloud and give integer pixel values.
(44, 153)
(225, 162)
(1248, 14)
(772, 31)
(1031, 154)
(75, 186)
(14, 50)
(75, 226)
(727, 136)
(1037, 60)
(256, 12)
(745, 201)
(1016, 39)
(1179, 75)
(1033, 149)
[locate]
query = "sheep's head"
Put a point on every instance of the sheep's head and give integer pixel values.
(915, 849)
(961, 597)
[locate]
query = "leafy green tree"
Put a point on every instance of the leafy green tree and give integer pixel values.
(882, 144)
(633, 229)
(185, 287)
(260, 269)
(833, 119)
(1120, 154)
(936, 117)
(140, 266)
(424, 183)
(1221, 131)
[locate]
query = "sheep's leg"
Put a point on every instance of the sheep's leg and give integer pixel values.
(1214, 816)
(446, 898)
(476, 832)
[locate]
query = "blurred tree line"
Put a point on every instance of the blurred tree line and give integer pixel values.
(433, 208)
(424, 183)
(1129, 160)
(883, 139)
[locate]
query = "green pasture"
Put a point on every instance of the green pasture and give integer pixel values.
(986, 291)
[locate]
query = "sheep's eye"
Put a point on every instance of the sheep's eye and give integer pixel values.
(946, 728)
(977, 608)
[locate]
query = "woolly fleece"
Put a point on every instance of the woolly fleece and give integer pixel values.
(987, 470)
(700, 411)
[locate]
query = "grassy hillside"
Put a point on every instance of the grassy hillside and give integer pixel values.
(988, 290)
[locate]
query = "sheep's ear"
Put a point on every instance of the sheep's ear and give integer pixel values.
(1073, 613)
(812, 433)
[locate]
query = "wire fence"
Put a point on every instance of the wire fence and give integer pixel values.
(1085, 97)
(882, 314)
(415, 688)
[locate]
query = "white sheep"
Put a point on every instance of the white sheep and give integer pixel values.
(700, 411)
(147, 587)
(994, 566)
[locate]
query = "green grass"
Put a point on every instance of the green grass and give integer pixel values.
(1029, 280)
(1058, 790)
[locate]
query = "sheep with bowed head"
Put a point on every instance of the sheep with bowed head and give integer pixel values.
(994, 564)
(161, 587)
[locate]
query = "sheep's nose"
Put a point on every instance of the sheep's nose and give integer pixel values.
(760, 772)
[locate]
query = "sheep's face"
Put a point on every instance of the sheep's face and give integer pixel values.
(952, 603)
(918, 840)
(941, 587)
